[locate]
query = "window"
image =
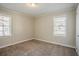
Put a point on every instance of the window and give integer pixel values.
(60, 25)
(5, 26)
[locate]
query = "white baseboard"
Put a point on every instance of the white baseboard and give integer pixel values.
(56, 43)
(39, 40)
(33, 38)
(77, 51)
(14, 43)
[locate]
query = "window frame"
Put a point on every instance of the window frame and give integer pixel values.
(6, 25)
(65, 29)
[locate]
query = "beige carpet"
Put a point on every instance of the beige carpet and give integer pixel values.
(37, 48)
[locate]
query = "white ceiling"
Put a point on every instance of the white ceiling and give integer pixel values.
(41, 7)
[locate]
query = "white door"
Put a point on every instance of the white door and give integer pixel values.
(77, 30)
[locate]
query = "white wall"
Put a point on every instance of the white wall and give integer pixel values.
(25, 27)
(77, 30)
(44, 29)
(22, 27)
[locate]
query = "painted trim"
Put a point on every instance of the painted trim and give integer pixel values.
(39, 40)
(14, 43)
(77, 51)
(56, 43)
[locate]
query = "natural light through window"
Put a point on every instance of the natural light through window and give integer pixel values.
(5, 26)
(60, 25)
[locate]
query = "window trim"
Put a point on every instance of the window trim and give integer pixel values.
(59, 16)
(10, 31)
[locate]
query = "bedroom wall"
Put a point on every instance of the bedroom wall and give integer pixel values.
(22, 27)
(26, 27)
(44, 28)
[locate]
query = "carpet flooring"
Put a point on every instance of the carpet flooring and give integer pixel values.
(37, 48)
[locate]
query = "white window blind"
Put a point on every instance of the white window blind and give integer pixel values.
(60, 25)
(5, 25)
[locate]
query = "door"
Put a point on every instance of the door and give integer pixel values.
(77, 30)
